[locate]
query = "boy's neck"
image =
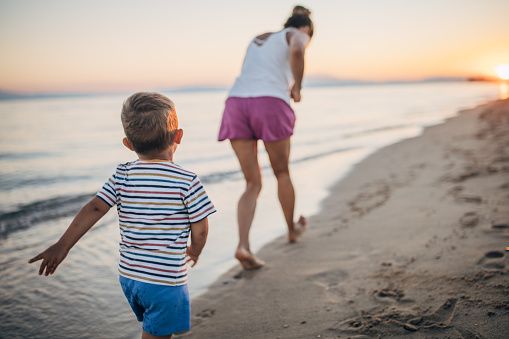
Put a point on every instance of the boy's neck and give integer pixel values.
(165, 155)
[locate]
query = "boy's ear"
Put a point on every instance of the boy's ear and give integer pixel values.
(127, 144)
(178, 135)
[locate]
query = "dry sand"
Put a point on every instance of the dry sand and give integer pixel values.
(411, 244)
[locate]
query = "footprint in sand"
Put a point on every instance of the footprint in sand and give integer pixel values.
(373, 196)
(206, 313)
(493, 260)
(468, 334)
(388, 321)
(442, 317)
(389, 293)
(330, 281)
(497, 229)
(469, 219)
(333, 277)
(456, 190)
(500, 227)
(469, 198)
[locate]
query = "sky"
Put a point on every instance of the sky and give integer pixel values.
(125, 45)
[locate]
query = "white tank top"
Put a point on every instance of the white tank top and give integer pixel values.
(266, 69)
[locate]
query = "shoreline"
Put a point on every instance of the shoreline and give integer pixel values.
(410, 243)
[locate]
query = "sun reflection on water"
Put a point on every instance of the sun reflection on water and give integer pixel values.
(504, 90)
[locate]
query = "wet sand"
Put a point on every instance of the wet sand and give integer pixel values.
(411, 244)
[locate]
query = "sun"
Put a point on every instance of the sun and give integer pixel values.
(502, 71)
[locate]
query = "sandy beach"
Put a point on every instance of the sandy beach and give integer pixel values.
(410, 244)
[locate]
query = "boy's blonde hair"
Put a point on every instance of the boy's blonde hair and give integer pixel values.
(149, 121)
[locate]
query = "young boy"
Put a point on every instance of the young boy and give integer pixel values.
(158, 205)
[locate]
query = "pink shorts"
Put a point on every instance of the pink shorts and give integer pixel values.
(265, 118)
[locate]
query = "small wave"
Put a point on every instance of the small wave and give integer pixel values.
(206, 159)
(41, 211)
(13, 181)
(237, 174)
(221, 176)
(17, 156)
(68, 205)
(323, 154)
(378, 130)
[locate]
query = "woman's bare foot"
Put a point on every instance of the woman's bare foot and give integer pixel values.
(298, 228)
(247, 259)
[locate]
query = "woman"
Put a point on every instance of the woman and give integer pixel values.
(258, 107)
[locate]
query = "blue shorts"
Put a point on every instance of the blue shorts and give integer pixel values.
(164, 310)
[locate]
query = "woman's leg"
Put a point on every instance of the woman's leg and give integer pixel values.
(247, 153)
(279, 155)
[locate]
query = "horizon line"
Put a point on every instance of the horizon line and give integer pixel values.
(312, 82)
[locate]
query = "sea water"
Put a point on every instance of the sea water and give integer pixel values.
(56, 153)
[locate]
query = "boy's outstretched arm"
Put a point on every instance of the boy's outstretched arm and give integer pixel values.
(94, 210)
(199, 232)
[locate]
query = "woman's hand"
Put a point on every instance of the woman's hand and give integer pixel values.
(295, 93)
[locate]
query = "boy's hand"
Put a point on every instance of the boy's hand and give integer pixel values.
(199, 231)
(51, 258)
(190, 256)
(84, 220)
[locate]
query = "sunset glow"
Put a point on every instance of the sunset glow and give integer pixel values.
(502, 71)
(50, 46)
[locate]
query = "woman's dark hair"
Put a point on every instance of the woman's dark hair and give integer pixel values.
(300, 18)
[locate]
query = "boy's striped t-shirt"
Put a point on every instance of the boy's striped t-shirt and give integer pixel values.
(156, 202)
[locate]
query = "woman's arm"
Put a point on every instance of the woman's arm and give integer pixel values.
(297, 41)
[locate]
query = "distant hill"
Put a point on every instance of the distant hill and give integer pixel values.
(311, 81)
(17, 96)
(325, 81)
(194, 89)
(11, 96)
